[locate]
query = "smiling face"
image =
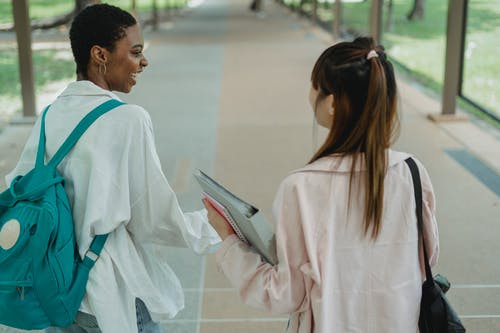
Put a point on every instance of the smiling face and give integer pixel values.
(118, 70)
(126, 61)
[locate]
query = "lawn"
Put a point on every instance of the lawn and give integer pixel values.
(50, 65)
(419, 47)
(49, 8)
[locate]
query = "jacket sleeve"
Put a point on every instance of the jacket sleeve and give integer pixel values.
(280, 288)
(155, 212)
(429, 217)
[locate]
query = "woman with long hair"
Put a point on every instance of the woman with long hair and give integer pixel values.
(346, 228)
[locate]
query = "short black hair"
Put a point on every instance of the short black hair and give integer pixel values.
(101, 25)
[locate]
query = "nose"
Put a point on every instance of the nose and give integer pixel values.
(144, 62)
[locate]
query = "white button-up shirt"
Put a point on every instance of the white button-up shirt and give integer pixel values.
(330, 277)
(115, 184)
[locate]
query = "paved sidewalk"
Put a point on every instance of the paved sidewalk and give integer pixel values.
(227, 92)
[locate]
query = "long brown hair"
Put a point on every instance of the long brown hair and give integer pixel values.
(365, 116)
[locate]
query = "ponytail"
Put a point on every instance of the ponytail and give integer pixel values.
(376, 144)
(362, 82)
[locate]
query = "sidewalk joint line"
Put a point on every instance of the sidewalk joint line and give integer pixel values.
(229, 320)
(213, 290)
(480, 317)
(475, 286)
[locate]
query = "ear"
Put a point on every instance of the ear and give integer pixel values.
(99, 54)
(329, 101)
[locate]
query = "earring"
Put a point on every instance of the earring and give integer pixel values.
(101, 70)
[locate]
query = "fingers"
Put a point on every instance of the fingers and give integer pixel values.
(206, 203)
(212, 213)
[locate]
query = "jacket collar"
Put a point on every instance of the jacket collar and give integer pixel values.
(338, 163)
(86, 88)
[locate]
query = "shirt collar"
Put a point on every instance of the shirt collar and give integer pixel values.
(87, 88)
(338, 163)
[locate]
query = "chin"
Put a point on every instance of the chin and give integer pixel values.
(126, 90)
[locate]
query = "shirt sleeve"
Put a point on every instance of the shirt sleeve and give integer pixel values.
(280, 288)
(429, 217)
(155, 212)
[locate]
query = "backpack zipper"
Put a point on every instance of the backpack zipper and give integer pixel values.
(20, 291)
(19, 286)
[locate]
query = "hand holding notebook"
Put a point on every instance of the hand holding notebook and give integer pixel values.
(246, 220)
(225, 214)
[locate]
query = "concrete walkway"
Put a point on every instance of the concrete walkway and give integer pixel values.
(227, 92)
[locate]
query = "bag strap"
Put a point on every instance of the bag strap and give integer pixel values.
(98, 242)
(94, 251)
(417, 188)
(69, 143)
(40, 154)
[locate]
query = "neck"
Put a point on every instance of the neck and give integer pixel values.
(95, 77)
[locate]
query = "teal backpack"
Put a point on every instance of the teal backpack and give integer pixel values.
(42, 278)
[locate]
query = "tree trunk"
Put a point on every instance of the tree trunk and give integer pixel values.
(53, 22)
(389, 21)
(81, 4)
(417, 12)
(155, 15)
(133, 8)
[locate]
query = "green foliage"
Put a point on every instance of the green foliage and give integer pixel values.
(9, 80)
(50, 8)
(146, 5)
(37, 9)
(419, 46)
(48, 67)
(5, 11)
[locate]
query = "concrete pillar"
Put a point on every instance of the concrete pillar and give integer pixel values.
(22, 26)
(455, 35)
(376, 20)
(337, 20)
(315, 11)
(155, 15)
(133, 8)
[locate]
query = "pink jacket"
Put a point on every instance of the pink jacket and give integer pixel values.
(330, 277)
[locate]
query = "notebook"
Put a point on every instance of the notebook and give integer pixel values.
(248, 223)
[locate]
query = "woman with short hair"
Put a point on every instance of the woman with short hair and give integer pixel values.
(115, 183)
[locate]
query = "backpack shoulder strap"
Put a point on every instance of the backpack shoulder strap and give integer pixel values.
(94, 250)
(80, 129)
(40, 154)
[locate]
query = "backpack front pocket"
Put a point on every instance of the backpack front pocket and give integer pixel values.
(19, 306)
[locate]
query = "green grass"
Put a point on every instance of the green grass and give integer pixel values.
(37, 8)
(47, 67)
(145, 5)
(482, 62)
(50, 8)
(419, 46)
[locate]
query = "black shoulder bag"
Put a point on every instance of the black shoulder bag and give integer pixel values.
(436, 313)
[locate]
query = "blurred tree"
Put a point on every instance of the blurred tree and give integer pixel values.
(389, 20)
(133, 8)
(57, 20)
(417, 12)
(81, 4)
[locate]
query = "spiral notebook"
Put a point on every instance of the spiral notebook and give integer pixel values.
(248, 223)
